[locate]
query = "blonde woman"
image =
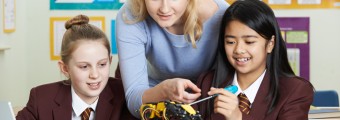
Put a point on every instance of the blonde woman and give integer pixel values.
(163, 46)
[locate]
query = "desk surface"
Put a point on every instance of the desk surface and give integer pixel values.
(18, 108)
(325, 119)
(324, 113)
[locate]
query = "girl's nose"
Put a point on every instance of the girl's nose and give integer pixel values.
(94, 73)
(239, 49)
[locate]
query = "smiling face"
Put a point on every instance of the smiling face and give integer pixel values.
(246, 50)
(88, 69)
(167, 13)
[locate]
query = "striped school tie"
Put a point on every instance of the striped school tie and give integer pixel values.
(244, 103)
(86, 114)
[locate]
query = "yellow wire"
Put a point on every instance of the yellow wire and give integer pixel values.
(146, 110)
(164, 111)
(143, 113)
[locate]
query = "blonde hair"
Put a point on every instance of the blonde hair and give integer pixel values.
(193, 27)
(79, 29)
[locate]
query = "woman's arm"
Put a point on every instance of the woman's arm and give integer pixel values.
(131, 41)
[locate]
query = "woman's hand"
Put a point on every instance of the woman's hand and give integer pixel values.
(226, 103)
(172, 89)
(175, 90)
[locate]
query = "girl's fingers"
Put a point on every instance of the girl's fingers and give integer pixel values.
(220, 91)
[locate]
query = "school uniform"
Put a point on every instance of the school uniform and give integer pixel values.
(295, 98)
(53, 101)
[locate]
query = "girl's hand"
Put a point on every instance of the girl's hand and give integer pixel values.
(175, 90)
(226, 103)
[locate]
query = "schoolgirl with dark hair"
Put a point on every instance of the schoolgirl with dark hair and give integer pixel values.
(253, 56)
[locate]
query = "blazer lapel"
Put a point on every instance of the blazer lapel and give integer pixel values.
(63, 99)
(260, 105)
(105, 108)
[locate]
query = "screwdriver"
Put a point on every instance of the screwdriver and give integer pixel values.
(231, 88)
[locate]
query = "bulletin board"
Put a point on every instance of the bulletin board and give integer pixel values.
(57, 30)
(85, 4)
(299, 4)
(295, 31)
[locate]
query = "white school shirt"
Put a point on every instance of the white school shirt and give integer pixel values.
(251, 91)
(78, 106)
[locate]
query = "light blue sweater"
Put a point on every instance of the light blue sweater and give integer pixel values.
(149, 54)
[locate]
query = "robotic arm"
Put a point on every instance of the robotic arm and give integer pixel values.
(166, 110)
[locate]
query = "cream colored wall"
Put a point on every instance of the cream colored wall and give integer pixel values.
(324, 46)
(27, 64)
(14, 62)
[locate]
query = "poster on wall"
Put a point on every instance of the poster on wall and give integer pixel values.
(85, 4)
(113, 37)
(336, 4)
(8, 16)
(294, 59)
(299, 4)
(57, 30)
(295, 31)
(280, 2)
(306, 2)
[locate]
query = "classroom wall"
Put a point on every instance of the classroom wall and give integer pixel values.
(27, 63)
(324, 46)
(13, 62)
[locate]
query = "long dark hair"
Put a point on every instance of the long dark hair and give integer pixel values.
(258, 16)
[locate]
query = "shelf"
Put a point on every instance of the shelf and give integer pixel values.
(4, 47)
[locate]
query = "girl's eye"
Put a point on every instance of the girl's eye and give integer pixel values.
(230, 42)
(250, 42)
(102, 64)
(84, 67)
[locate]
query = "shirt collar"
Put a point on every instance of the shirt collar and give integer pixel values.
(251, 91)
(79, 105)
